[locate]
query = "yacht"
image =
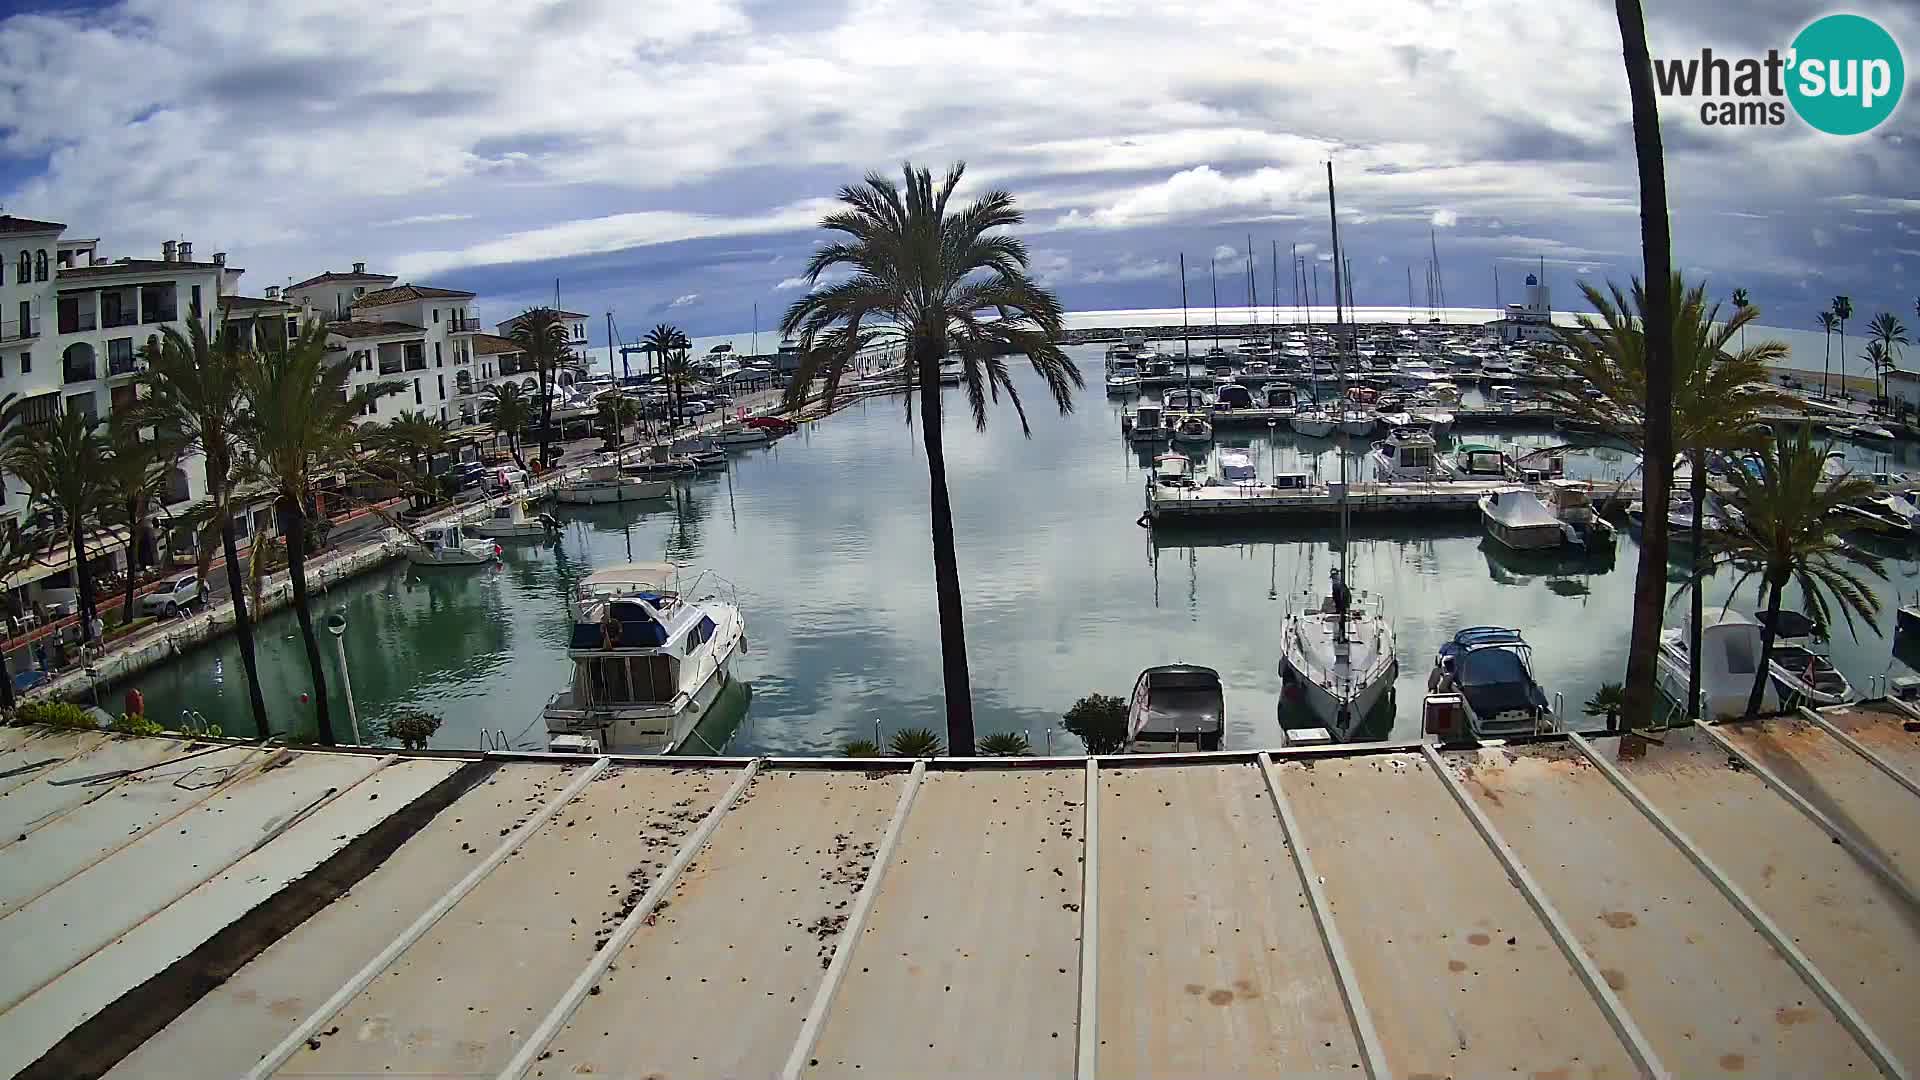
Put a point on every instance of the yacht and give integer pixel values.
(1122, 377)
(1176, 707)
(605, 484)
(1192, 428)
(1236, 468)
(1479, 461)
(1884, 513)
(649, 660)
(449, 545)
(1148, 425)
(1406, 455)
(1802, 670)
(1729, 660)
(1490, 668)
(1517, 518)
(519, 519)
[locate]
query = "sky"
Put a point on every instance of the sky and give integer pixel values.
(669, 162)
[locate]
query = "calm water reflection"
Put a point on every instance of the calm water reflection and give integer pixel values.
(824, 536)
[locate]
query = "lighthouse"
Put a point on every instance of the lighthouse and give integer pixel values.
(1531, 320)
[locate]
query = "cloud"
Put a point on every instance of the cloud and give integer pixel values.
(424, 219)
(1444, 219)
(798, 281)
(684, 299)
(1130, 268)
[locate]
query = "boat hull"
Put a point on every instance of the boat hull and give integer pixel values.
(595, 494)
(529, 530)
(652, 729)
(1313, 429)
(1353, 426)
(1526, 537)
(1327, 707)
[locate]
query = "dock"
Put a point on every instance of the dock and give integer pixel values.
(1362, 499)
(1723, 900)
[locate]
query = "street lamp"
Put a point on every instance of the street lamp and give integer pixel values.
(337, 626)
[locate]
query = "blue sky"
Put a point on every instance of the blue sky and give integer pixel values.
(667, 161)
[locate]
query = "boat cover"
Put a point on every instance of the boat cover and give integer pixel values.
(1496, 681)
(1518, 508)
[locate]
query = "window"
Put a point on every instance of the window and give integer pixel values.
(358, 292)
(436, 314)
(193, 305)
(26, 267)
(40, 266)
(442, 379)
(436, 355)
(26, 363)
(416, 392)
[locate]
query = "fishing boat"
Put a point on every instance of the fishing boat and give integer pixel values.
(519, 519)
(1148, 425)
(605, 484)
(449, 545)
(1490, 669)
(1572, 502)
(1518, 519)
(1729, 659)
(1406, 455)
(1801, 666)
(1192, 428)
(649, 659)
(1176, 707)
(1236, 468)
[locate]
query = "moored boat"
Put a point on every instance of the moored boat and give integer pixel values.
(1406, 455)
(605, 484)
(518, 520)
(1518, 519)
(449, 545)
(1148, 425)
(1490, 669)
(1176, 707)
(1192, 428)
(1729, 659)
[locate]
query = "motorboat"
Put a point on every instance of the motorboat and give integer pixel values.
(1802, 669)
(1680, 515)
(1406, 455)
(1490, 669)
(704, 452)
(1176, 707)
(1884, 513)
(449, 545)
(1233, 396)
(1518, 519)
(1173, 471)
(1835, 466)
(605, 484)
(1148, 425)
(1729, 661)
(650, 657)
(1122, 378)
(779, 425)
(1872, 434)
(1236, 468)
(952, 372)
(1431, 417)
(735, 433)
(1479, 461)
(1192, 428)
(1277, 396)
(1572, 502)
(662, 467)
(1313, 423)
(1393, 418)
(519, 519)
(1357, 422)
(1186, 399)
(1337, 658)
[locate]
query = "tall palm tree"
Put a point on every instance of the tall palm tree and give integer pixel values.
(299, 423)
(1887, 331)
(1842, 311)
(542, 336)
(61, 462)
(511, 412)
(677, 370)
(420, 436)
(1828, 324)
(1656, 243)
(664, 342)
(191, 395)
(616, 412)
(134, 476)
(936, 283)
(17, 550)
(1878, 361)
(1740, 304)
(1788, 532)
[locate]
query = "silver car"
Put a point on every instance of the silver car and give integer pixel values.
(172, 597)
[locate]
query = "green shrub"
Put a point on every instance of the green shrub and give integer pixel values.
(60, 714)
(860, 748)
(411, 728)
(915, 742)
(1101, 723)
(129, 724)
(1005, 744)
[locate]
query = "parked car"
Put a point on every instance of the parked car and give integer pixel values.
(693, 407)
(173, 597)
(466, 474)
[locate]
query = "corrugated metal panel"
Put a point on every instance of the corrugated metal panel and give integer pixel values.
(43, 749)
(1843, 916)
(1211, 961)
(1680, 956)
(1447, 935)
(69, 844)
(1887, 735)
(58, 789)
(970, 960)
(84, 912)
(1855, 795)
(236, 1022)
(746, 935)
(30, 1028)
(460, 1001)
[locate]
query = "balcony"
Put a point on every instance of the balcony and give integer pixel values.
(163, 313)
(463, 326)
(75, 322)
(122, 317)
(80, 370)
(20, 331)
(389, 367)
(122, 365)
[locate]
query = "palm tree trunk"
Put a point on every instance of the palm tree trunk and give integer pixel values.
(83, 576)
(1765, 670)
(294, 525)
(135, 512)
(1698, 489)
(1826, 364)
(242, 621)
(1656, 241)
(946, 564)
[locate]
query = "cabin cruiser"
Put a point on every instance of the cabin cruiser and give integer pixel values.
(1872, 434)
(1572, 502)
(1277, 395)
(605, 484)
(1801, 668)
(1233, 396)
(649, 659)
(1518, 519)
(1729, 660)
(1339, 658)
(1406, 455)
(1192, 428)
(1490, 669)
(1236, 468)
(1186, 399)
(1173, 471)
(1148, 425)
(449, 545)
(1176, 707)
(519, 520)
(1479, 461)
(1122, 378)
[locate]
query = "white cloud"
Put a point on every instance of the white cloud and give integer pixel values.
(423, 219)
(1444, 219)
(684, 300)
(1130, 268)
(798, 281)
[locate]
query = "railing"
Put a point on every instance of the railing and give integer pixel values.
(160, 315)
(20, 331)
(80, 372)
(77, 322)
(416, 363)
(389, 367)
(119, 318)
(463, 326)
(121, 365)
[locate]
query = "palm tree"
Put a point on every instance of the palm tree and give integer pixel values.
(17, 549)
(934, 283)
(299, 422)
(1740, 304)
(1656, 243)
(191, 395)
(61, 462)
(419, 435)
(511, 413)
(1606, 702)
(542, 336)
(1828, 324)
(134, 476)
(665, 341)
(1887, 331)
(1842, 311)
(1878, 361)
(677, 369)
(1787, 531)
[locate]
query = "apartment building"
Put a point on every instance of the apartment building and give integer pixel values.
(418, 335)
(331, 295)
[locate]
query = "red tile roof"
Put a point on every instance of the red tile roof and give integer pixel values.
(490, 344)
(140, 266)
(359, 328)
(400, 294)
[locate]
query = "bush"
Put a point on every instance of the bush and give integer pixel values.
(1005, 744)
(1100, 722)
(129, 724)
(915, 742)
(860, 748)
(411, 728)
(60, 714)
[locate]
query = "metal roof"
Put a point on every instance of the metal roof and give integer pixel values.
(1724, 900)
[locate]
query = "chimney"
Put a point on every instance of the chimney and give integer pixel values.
(359, 268)
(186, 251)
(219, 258)
(273, 292)
(166, 251)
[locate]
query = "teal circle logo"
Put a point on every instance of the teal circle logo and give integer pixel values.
(1846, 74)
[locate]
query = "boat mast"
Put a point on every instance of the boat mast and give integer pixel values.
(1253, 286)
(611, 344)
(1186, 342)
(1273, 293)
(756, 328)
(1213, 279)
(1339, 320)
(1409, 293)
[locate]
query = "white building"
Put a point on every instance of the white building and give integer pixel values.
(1530, 321)
(416, 334)
(576, 328)
(331, 295)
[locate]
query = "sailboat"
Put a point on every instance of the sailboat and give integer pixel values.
(1339, 657)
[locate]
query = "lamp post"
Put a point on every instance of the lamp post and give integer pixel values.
(337, 626)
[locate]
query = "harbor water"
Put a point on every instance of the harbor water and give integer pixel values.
(824, 539)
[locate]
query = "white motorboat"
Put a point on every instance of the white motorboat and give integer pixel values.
(1313, 423)
(1173, 471)
(1357, 422)
(1192, 428)
(605, 484)
(650, 657)
(1122, 378)
(1884, 513)
(1802, 668)
(1480, 461)
(1835, 466)
(1236, 468)
(1872, 434)
(449, 545)
(1729, 660)
(1406, 455)
(1393, 418)
(1490, 669)
(1186, 399)
(519, 519)
(1148, 425)
(734, 433)
(1572, 502)
(1176, 707)
(1432, 417)
(1517, 518)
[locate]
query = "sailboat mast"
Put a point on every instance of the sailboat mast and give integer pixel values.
(1253, 285)
(1213, 279)
(1339, 319)
(1273, 293)
(612, 343)
(1409, 292)
(756, 329)
(1186, 342)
